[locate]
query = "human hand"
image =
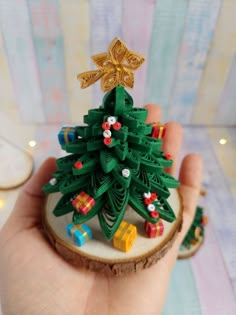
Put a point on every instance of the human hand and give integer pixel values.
(36, 280)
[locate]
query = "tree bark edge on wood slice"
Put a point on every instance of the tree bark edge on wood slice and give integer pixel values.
(113, 267)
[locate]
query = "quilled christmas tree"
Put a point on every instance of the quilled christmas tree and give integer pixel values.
(114, 167)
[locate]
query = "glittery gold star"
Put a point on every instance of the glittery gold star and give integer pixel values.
(115, 67)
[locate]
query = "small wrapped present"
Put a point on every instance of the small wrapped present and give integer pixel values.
(125, 236)
(158, 131)
(66, 135)
(204, 220)
(154, 229)
(83, 202)
(80, 233)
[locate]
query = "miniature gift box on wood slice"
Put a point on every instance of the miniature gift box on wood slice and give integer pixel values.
(80, 233)
(154, 229)
(66, 135)
(158, 131)
(83, 202)
(125, 236)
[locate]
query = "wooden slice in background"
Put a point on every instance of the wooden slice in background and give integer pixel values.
(16, 165)
(100, 255)
(185, 253)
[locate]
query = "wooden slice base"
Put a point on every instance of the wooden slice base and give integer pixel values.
(16, 165)
(188, 253)
(100, 255)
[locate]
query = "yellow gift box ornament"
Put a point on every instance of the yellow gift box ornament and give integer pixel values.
(125, 236)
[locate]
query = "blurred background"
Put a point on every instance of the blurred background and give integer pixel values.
(190, 71)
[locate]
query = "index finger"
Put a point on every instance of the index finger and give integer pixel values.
(154, 113)
(172, 143)
(173, 136)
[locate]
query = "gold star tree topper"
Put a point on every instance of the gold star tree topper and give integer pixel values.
(115, 67)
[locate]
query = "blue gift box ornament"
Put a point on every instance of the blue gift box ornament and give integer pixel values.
(66, 135)
(80, 233)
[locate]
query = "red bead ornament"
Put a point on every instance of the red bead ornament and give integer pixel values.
(78, 165)
(106, 126)
(107, 141)
(154, 214)
(147, 201)
(153, 196)
(117, 125)
(168, 156)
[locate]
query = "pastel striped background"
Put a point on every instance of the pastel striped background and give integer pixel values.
(190, 71)
(190, 48)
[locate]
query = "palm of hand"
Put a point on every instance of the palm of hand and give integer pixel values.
(35, 280)
(43, 281)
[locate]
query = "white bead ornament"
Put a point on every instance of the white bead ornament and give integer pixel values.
(151, 207)
(111, 120)
(126, 172)
(147, 195)
(53, 181)
(107, 133)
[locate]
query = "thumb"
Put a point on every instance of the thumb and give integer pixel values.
(28, 207)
